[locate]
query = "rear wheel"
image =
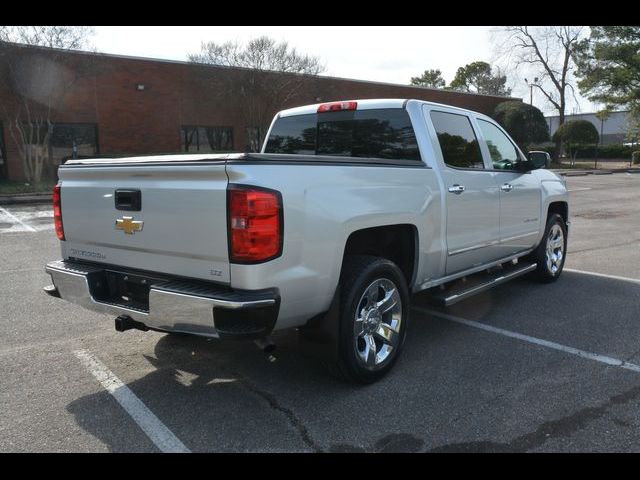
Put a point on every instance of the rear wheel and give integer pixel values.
(551, 253)
(373, 317)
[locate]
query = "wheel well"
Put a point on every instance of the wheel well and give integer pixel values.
(560, 208)
(397, 243)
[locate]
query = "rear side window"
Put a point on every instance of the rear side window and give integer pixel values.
(377, 133)
(458, 142)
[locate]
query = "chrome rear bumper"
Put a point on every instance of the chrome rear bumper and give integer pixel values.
(173, 305)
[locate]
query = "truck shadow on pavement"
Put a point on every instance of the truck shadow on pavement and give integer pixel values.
(454, 388)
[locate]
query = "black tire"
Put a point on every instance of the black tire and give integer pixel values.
(543, 273)
(359, 272)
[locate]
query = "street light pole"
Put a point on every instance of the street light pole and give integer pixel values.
(531, 85)
(535, 81)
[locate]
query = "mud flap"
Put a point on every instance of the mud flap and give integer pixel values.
(319, 337)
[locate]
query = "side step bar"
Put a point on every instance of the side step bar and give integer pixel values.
(478, 283)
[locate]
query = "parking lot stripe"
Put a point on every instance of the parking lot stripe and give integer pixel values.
(157, 431)
(603, 275)
(17, 220)
(614, 362)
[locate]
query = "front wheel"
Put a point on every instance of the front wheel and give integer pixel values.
(550, 255)
(373, 317)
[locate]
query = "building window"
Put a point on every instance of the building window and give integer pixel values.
(197, 139)
(72, 140)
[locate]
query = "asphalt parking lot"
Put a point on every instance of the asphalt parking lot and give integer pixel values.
(523, 367)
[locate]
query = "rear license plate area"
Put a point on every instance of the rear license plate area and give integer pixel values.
(124, 289)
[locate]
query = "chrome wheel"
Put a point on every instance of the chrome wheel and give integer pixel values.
(555, 249)
(377, 323)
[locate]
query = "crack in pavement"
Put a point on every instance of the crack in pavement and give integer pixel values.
(561, 427)
(273, 402)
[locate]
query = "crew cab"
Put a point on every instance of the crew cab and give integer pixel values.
(350, 208)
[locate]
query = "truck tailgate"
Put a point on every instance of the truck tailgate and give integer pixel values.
(182, 210)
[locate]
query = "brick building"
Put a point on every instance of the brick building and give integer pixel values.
(122, 105)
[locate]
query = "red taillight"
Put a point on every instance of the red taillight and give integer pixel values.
(337, 106)
(57, 212)
(255, 224)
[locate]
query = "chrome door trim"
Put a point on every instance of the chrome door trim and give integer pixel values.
(474, 247)
(494, 242)
(522, 235)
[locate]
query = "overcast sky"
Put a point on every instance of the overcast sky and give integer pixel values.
(385, 54)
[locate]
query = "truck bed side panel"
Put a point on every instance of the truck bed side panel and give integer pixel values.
(323, 205)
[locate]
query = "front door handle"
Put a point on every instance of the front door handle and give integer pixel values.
(457, 189)
(507, 187)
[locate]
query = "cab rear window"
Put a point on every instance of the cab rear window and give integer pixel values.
(378, 133)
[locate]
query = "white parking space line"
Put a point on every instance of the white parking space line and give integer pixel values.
(17, 224)
(577, 189)
(37, 218)
(157, 431)
(603, 275)
(614, 362)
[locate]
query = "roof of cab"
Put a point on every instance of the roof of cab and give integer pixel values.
(369, 104)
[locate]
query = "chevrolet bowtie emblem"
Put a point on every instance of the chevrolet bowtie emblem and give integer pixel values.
(129, 225)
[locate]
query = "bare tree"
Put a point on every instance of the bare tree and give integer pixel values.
(37, 85)
(547, 50)
(271, 75)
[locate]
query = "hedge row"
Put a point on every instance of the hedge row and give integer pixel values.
(589, 151)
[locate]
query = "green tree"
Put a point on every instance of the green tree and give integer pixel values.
(609, 67)
(429, 78)
(576, 133)
(525, 123)
(478, 77)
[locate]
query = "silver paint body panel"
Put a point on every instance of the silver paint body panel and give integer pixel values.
(185, 229)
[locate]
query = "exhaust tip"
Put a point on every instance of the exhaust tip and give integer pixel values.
(124, 323)
(266, 345)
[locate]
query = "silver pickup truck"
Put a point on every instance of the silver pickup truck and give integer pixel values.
(350, 208)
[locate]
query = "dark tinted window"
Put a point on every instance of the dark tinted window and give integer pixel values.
(503, 153)
(458, 143)
(295, 134)
(378, 133)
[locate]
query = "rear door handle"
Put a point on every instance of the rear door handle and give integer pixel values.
(457, 189)
(507, 187)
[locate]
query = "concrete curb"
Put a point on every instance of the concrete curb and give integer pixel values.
(25, 198)
(576, 173)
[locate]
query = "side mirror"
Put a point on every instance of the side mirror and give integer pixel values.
(539, 159)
